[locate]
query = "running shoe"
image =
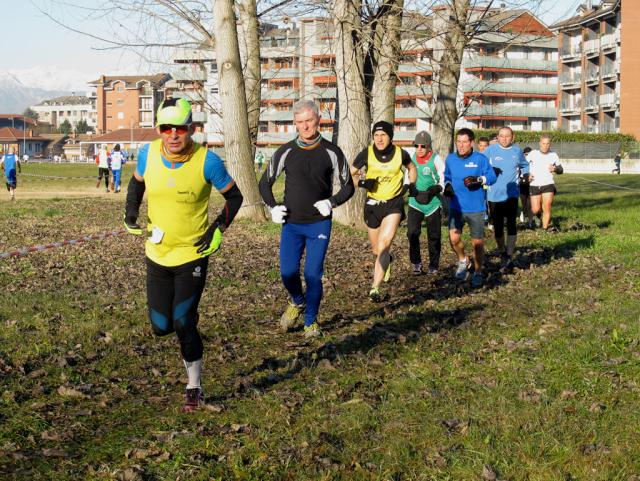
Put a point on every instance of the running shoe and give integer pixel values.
(387, 274)
(476, 280)
(312, 331)
(417, 268)
(551, 229)
(462, 272)
(291, 316)
(98, 184)
(194, 398)
(374, 295)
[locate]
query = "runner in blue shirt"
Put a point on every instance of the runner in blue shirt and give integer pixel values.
(9, 162)
(507, 161)
(465, 173)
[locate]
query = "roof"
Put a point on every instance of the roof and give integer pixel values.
(597, 11)
(124, 136)
(68, 100)
(54, 138)
(132, 81)
(18, 116)
(9, 134)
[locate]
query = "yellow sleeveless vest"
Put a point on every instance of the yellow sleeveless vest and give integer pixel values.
(390, 175)
(178, 204)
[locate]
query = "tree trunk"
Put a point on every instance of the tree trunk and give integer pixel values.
(237, 141)
(453, 45)
(252, 74)
(354, 118)
(386, 50)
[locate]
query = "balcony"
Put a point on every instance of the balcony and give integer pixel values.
(592, 47)
(199, 116)
(591, 104)
(609, 72)
(414, 90)
(507, 110)
(608, 101)
(573, 52)
(485, 87)
(193, 97)
(280, 73)
(413, 113)
(608, 42)
(281, 94)
(322, 93)
(188, 75)
(570, 80)
(276, 116)
(593, 75)
(502, 63)
(570, 108)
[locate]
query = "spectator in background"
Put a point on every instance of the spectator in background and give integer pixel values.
(9, 162)
(483, 143)
(259, 160)
(102, 159)
(617, 160)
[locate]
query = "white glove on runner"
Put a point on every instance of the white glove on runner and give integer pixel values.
(324, 207)
(278, 213)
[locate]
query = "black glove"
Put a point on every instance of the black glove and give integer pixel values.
(448, 190)
(368, 184)
(497, 170)
(524, 179)
(558, 169)
(210, 240)
(413, 190)
(473, 182)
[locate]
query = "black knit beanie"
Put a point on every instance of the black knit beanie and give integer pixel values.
(386, 127)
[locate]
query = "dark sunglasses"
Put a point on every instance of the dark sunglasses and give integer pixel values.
(178, 129)
(420, 146)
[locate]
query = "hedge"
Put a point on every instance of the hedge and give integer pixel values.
(559, 136)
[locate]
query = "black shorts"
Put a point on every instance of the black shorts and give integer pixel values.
(376, 210)
(542, 189)
(524, 188)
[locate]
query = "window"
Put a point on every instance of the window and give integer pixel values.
(120, 102)
(120, 115)
(119, 88)
(214, 90)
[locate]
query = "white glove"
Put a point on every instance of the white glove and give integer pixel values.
(278, 213)
(324, 207)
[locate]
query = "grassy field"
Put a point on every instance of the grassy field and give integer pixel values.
(534, 377)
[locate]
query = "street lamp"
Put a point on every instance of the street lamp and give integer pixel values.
(24, 136)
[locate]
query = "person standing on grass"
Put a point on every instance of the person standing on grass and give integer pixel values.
(428, 182)
(465, 173)
(544, 163)
(387, 169)
(102, 159)
(10, 162)
(117, 159)
(177, 175)
(310, 164)
(507, 161)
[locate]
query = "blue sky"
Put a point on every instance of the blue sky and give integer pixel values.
(37, 41)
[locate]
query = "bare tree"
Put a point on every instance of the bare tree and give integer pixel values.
(237, 142)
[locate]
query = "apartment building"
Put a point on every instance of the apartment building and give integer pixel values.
(510, 76)
(509, 73)
(128, 101)
(598, 70)
(73, 108)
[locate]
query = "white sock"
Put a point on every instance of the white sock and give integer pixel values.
(193, 373)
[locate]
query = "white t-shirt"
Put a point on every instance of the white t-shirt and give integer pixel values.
(539, 167)
(116, 160)
(103, 159)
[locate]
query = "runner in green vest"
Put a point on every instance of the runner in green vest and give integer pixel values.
(426, 183)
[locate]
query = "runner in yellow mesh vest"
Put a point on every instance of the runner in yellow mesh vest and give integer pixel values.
(383, 170)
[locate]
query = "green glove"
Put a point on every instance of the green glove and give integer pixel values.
(131, 224)
(210, 241)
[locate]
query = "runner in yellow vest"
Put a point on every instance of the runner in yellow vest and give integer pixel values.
(177, 175)
(386, 168)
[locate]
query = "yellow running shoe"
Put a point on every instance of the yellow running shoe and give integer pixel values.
(291, 316)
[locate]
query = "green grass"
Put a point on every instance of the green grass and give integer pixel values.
(536, 376)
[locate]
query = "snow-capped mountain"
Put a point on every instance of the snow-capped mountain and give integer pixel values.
(15, 97)
(53, 78)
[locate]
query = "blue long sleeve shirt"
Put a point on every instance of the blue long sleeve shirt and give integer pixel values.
(508, 160)
(456, 168)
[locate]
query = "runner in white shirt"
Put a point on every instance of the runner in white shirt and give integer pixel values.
(543, 164)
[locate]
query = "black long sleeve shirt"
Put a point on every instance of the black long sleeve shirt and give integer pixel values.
(309, 177)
